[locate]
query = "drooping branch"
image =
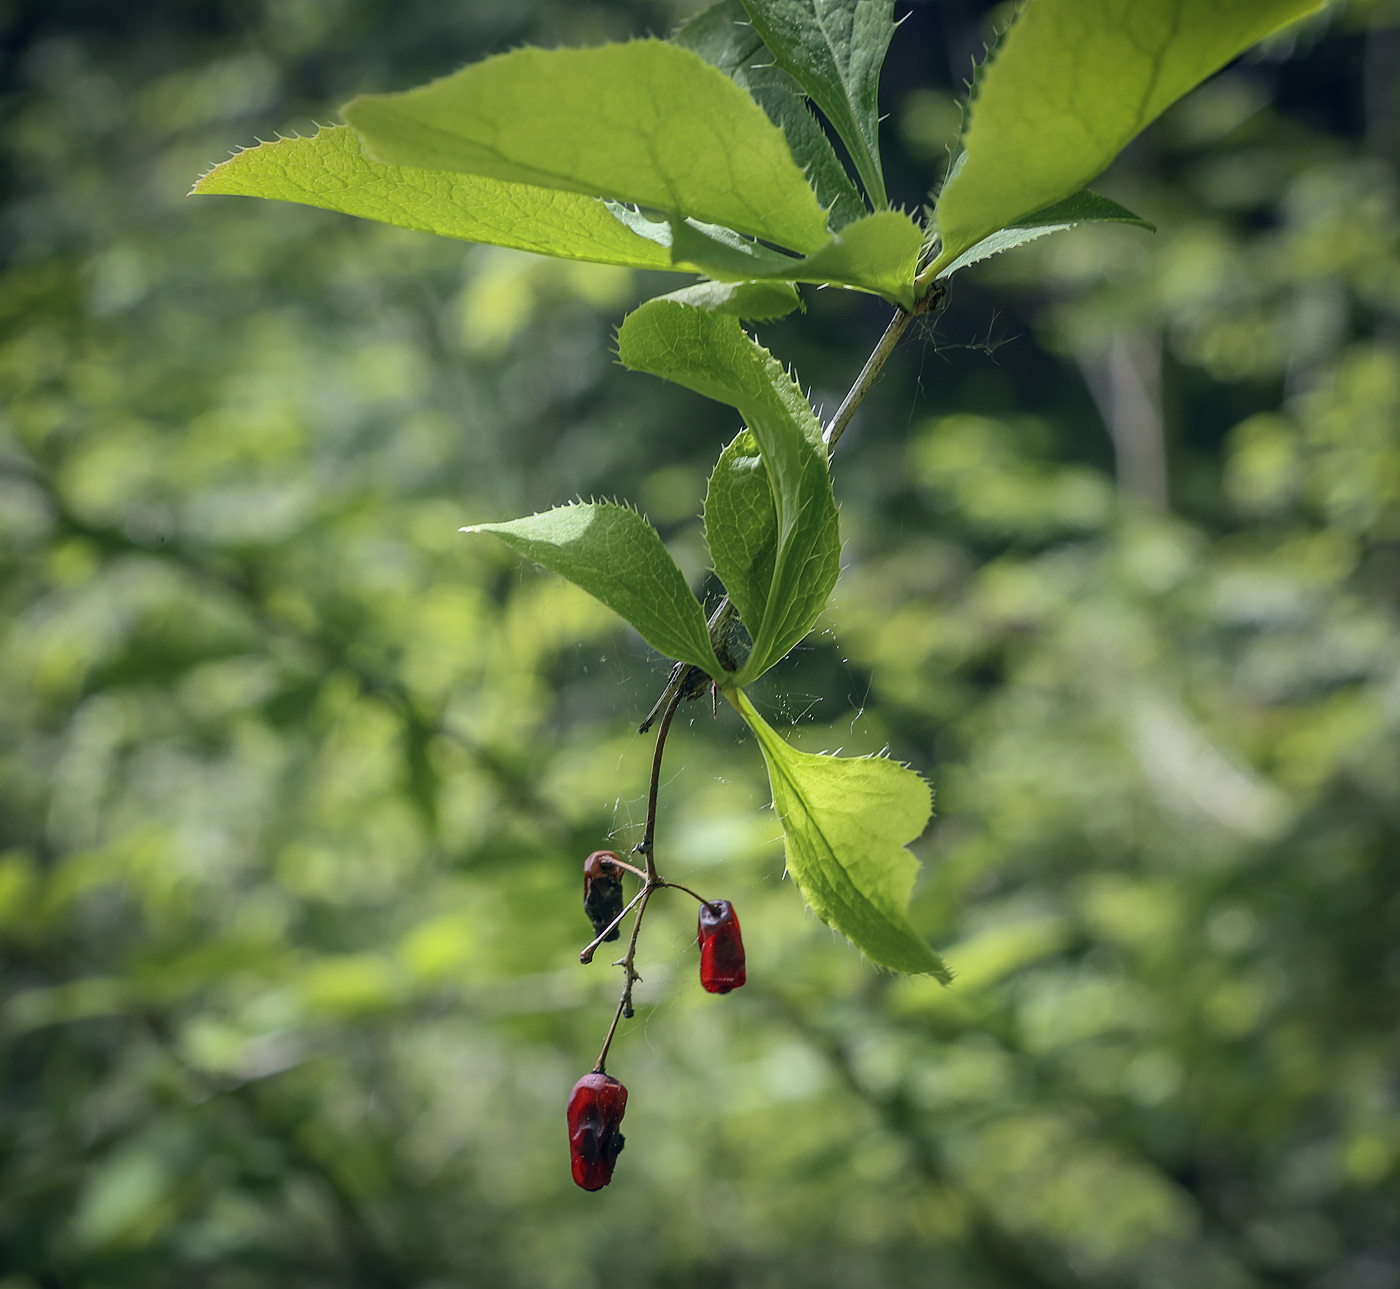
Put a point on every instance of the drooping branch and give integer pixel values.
(687, 682)
(651, 883)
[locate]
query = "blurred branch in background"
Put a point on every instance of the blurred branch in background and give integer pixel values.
(1126, 382)
(1382, 81)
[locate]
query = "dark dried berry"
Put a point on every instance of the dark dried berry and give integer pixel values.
(602, 891)
(596, 1106)
(721, 948)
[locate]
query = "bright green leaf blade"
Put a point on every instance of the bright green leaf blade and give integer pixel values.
(741, 526)
(879, 253)
(724, 36)
(1072, 83)
(711, 354)
(331, 170)
(646, 122)
(759, 301)
(834, 49)
(847, 822)
(1085, 207)
(617, 557)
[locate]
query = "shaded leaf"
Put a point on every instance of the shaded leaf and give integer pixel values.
(760, 301)
(646, 122)
(1072, 83)
(330, 170)
(847, 822)
(835, 49)
(741, 525)
(724, 36)
(711, 354)
(781, 97)
(617, 557)
(1085, 207)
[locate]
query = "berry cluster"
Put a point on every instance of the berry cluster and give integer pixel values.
(598, 1101)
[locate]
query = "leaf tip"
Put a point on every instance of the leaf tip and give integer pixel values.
(200, 187)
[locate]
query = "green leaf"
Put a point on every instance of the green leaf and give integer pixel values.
(760, 301)
(710, 354)
(974, 88)
(747, 258)
(847, 822)
(879, 253)
(645, 122)
(723, 36)
(1085, 207)
(331, 170)
(741, 526)
(834, 49)
(781, 97)
(727, 258)
(617, 557)
(1072, 83)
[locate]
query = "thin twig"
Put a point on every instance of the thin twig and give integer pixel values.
(631, 868)
(651, 882)
(677, 886)
(628, 965)
(599, 1065)
(867, 378)
(870, 373)
(646, 846)
(586, 955)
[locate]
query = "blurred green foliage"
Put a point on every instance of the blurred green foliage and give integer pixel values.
(295, 783)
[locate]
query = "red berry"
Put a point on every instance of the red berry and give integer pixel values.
(602, 891)
(596, 1106)
(721, 948)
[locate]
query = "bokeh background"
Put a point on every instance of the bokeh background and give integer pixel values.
(295, 781)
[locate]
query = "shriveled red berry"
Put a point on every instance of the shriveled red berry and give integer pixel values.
(602, 891)
(596, 1106)
(721, 947)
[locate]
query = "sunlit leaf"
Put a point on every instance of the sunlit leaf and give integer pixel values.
(847, 822)
(617, 557)
(646, 122)
(1071, 84)
(331, 170)
(878, 253)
